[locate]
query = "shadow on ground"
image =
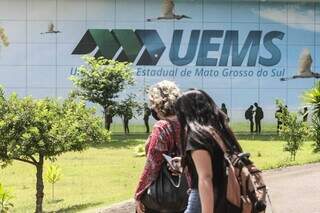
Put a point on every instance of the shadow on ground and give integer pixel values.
(124, 141)
(265, 136)
(134, 139)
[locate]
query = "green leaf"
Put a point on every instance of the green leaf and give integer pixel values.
(53, 174)
(5, 199)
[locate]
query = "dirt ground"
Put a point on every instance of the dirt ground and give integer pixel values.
(292, 190)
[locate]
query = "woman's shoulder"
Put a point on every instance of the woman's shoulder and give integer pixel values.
(200, 140)
(167, 123)
(167, 127)
(161, 123)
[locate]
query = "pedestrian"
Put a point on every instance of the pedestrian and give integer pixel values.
(278, 117)
(224, 109)
(202, 124)
(164, 139)
(109, 116)
(127, 116)
(305, 114)
(249, 116)
(146, 115)
(258, 116)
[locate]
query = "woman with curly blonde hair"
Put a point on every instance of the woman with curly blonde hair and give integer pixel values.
(164, 138)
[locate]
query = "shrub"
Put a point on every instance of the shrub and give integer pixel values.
(53, 175)
(293, 130)
(140, 150)
(5, 200)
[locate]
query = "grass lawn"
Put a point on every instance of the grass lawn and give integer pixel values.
(107, 174)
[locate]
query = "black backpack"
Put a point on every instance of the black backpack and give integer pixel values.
(247, 114)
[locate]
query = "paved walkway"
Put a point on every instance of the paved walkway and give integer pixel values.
(292, 190)
(295, 189)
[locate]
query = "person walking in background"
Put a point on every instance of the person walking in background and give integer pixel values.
(127, 116)
(249, 116)
(224, 109)
(146, 115)
(164, 138)
(277, 116)
(110, 114)
(305, 114)
(258, 116)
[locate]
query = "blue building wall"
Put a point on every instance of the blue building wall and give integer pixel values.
(40, 64)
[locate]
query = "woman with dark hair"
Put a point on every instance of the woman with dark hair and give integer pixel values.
(204, 123)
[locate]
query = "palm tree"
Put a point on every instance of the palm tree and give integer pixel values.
(312, 97)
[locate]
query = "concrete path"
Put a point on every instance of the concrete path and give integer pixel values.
(292, 190)
(295, 189)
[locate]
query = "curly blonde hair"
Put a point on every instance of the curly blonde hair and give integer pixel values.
(163, 96)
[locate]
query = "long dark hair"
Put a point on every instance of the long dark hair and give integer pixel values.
(198, 113)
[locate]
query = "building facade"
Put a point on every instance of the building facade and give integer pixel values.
(237, 51)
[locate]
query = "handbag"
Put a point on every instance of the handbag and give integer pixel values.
(168, 193)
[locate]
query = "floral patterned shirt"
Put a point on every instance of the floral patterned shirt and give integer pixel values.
(165, 138)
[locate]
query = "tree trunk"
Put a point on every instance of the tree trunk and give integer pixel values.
(106, 122)
(124, 126)
(52, 191)
(40, 187)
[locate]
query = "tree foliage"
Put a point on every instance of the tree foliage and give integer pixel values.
(312, 97)
(293, 130)
(129, 107)
(31, 127)
(101, 80)
(34, 130)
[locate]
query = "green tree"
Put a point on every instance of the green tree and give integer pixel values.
(34, 130)
(127, 109)
(101, 80)
(293, 130)
(312, 97)
(5, 200)
(53, 175)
